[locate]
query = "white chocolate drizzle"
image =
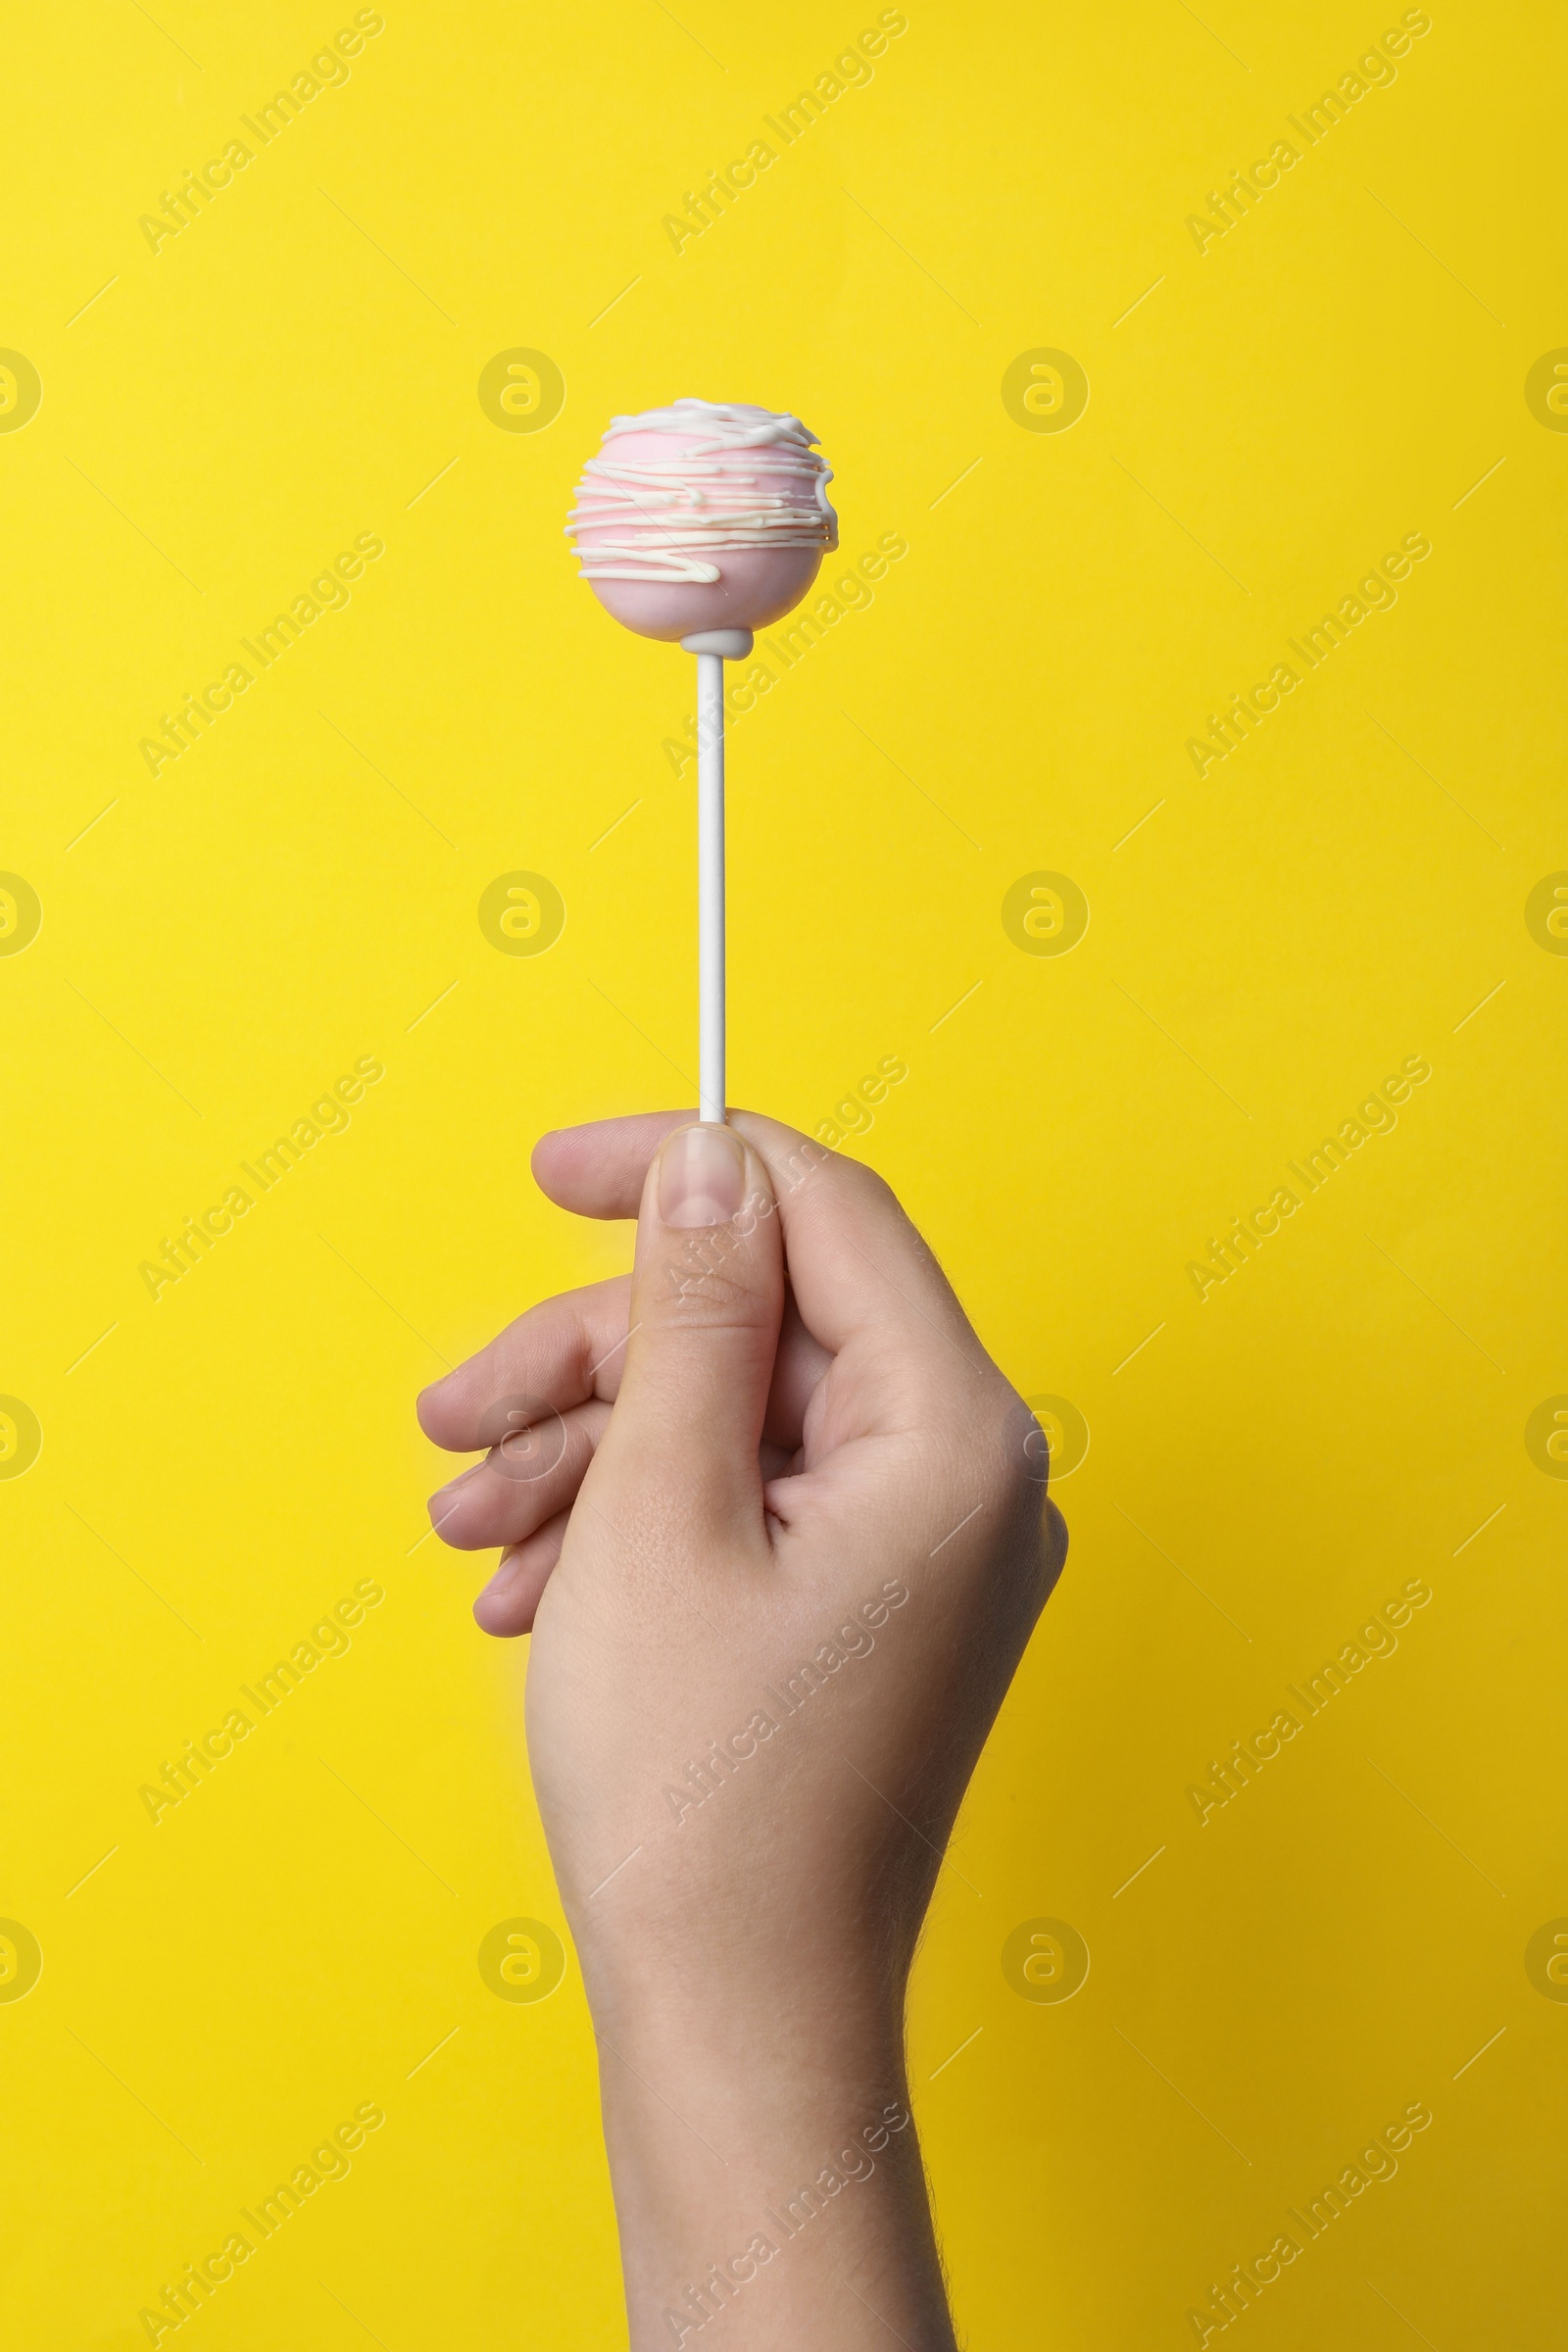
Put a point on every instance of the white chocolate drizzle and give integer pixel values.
(669, 520)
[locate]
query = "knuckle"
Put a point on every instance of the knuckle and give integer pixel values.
(1021, 1451)
(711, 1302)
(713, 1280)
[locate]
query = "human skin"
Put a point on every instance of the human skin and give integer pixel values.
(726, 1466)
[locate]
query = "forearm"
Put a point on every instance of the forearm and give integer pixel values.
(768, 2177)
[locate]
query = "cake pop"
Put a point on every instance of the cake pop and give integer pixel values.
(700, 523)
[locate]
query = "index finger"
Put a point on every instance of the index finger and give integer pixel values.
(556, 1356)
(854, 1259)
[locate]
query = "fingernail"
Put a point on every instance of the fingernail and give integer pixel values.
(444, 1497)
(505, 1575)
(702, 1176)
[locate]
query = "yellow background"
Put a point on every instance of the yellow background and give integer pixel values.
(298, 889)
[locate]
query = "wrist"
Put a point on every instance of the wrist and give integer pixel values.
(802, 2022)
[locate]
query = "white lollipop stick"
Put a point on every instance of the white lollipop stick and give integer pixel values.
(713, 648)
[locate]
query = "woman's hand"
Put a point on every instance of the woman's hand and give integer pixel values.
(778, 1525)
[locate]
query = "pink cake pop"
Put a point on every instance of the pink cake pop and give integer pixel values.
(703, 522)
(707, 514)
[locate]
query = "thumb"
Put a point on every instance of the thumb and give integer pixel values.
(708, 1293)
